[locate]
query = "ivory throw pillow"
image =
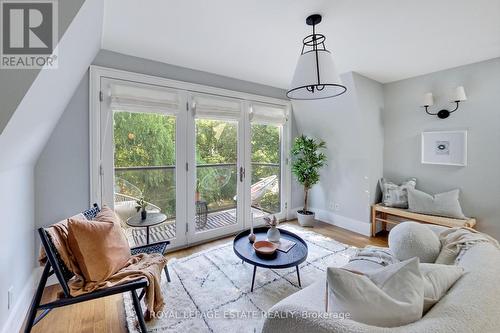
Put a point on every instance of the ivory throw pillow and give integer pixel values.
(396, 195)
(438, 279)
(412, 239)
(441, 204)
(99, 246)
(390, 297)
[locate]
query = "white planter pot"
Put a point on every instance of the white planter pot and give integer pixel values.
(305, 220)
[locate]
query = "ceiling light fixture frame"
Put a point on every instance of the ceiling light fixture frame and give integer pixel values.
(315, 43)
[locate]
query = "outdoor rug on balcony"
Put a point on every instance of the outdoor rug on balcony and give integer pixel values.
(166, 230)
(210, 290)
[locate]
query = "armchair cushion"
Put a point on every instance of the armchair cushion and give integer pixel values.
(100, 247)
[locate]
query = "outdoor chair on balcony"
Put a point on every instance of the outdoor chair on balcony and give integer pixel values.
(55, 265)
(125, 206)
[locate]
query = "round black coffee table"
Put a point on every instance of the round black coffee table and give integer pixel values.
(294, 257)
(152, 219)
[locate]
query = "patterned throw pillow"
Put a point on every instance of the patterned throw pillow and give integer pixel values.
(396, 195)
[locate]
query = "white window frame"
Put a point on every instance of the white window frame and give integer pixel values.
(95, 95)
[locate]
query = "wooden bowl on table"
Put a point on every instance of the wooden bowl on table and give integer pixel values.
(265, 248)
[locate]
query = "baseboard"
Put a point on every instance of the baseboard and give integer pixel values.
(348, 223)
(15, 320)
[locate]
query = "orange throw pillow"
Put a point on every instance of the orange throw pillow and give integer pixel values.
(100, 247)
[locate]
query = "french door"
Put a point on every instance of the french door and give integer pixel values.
(209, 163)
(143, 155)
(216, 180)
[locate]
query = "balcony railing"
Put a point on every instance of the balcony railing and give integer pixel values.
(216, 184)
(171, 167)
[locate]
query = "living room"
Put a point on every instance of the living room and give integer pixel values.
(283, 166)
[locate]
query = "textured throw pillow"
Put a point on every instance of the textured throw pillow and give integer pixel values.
(390, 297)
(411, 239)
(396, 195)
(437, 280)
(99, 247)
(441, 204)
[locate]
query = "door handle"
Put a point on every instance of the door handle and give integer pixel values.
(242, 174)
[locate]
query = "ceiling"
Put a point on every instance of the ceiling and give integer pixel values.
(260, 40)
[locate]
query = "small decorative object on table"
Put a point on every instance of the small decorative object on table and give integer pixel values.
(251, 236)
(141, 206)
(265, 248)
(273, 234)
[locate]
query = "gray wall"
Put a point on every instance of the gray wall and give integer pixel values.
(139, 65)
(480, 115)
(62, 170)
(351, 126)
(62, 183)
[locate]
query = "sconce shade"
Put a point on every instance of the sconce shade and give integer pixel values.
(428, 100)
(309, 74)
(459, 94)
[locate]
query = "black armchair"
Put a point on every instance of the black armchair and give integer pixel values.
(56, 266)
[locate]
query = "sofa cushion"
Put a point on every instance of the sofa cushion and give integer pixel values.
(412, 239)
(437, 280)
(394, 195)
(398, 289)
(100, 247)
(442, 204)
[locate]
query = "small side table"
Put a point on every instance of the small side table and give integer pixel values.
(151, 220)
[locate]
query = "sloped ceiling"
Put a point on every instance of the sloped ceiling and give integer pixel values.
(15, 83)
(260, 40)
(28, 129)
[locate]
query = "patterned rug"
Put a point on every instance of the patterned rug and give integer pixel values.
(210, 290)
(166, 230)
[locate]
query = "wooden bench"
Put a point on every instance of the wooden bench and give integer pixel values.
(385, 215)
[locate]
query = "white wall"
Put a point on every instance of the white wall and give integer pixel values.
(16, 239)
(480, 115)
(21, 142)
(351, 127)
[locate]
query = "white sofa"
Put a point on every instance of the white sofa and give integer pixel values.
(471, 305)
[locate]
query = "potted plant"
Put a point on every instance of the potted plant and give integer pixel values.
(307, 160)
(141, 206)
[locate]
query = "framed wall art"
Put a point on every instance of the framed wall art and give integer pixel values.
(444, 147)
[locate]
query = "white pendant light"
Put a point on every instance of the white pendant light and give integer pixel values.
(315, 76)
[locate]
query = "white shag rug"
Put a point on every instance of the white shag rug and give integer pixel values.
(210, 290)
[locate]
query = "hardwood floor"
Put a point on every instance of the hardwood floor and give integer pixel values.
(107, 314)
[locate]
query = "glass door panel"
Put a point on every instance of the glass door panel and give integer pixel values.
(145, 168)
(216, 192)
(265, 188)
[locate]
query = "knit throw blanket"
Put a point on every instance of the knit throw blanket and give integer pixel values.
(379, 255)
(455, 241)
(139, 266)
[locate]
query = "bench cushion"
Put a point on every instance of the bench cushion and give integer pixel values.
(441, 204)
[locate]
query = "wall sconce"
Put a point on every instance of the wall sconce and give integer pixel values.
(459, 96)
